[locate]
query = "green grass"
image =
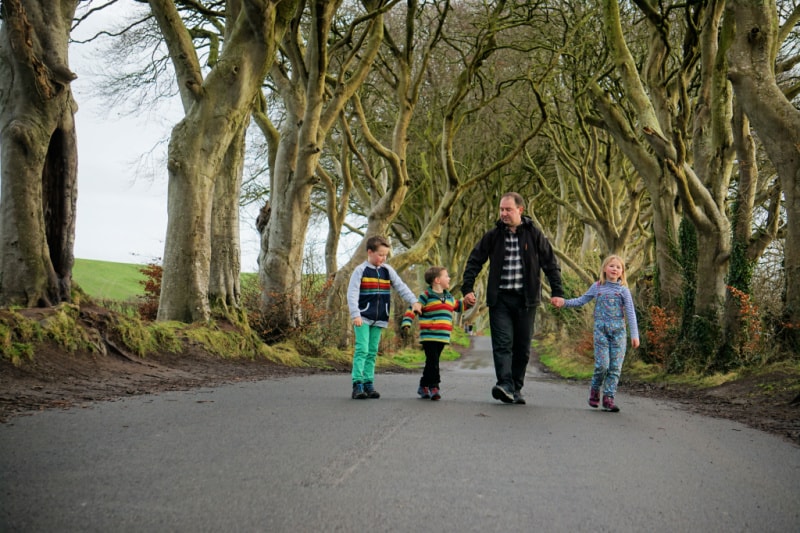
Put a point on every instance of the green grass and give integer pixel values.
(565, 365)
(108, 281)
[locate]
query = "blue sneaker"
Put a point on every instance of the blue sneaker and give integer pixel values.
(358, 392)
(424, 393)
(369, 388)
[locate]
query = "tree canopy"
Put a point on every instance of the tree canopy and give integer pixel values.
(665, 133)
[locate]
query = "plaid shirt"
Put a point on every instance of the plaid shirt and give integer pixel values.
(511, 278)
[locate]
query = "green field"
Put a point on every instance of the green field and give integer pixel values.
(108, 281)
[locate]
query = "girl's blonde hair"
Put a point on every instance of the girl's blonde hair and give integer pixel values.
(607, 260)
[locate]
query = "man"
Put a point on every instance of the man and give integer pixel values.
(516, 251)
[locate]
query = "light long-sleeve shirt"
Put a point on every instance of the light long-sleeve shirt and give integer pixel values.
(614, 304)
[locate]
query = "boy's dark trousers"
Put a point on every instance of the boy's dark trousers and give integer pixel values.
(430, 375)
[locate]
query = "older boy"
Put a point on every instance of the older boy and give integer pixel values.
(369, 299)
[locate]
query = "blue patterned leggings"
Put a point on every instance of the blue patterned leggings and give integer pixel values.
(610, 342)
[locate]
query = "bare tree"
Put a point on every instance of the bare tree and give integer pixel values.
(756, 36)
(314, 92)
(207, 141)
(39, 153)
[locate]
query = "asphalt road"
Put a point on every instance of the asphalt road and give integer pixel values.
(297, 454)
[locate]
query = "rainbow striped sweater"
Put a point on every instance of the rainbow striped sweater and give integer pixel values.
(369, 293)
(436, 320)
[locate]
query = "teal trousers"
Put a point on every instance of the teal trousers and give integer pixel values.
(366, 351)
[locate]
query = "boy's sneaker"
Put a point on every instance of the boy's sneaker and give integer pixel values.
(358, 391)
(608, 404)
(369, 388)
(594, 398)
(424, 393)
(435, 394)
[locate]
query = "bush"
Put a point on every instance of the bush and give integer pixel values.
(661, 329)
(148, 304)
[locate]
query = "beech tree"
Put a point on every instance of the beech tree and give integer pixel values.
(313, 90)
(39, 153)
(472, 94)
(756, 37)
(683, 108)
(206, 144)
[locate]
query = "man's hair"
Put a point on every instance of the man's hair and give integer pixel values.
(432, 273)
(375, 242)
(517, 197)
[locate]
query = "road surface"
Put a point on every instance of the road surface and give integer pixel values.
(297, 454)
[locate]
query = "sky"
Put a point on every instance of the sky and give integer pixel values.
(122, 188)
(122, 176)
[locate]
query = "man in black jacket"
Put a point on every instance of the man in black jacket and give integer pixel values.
(517, 251)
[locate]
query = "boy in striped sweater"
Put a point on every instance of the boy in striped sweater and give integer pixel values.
(369, 299)
(435, 325)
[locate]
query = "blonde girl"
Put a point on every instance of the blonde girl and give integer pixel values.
(613, 306)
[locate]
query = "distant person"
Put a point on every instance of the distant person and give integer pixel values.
(517, 251)
(435, 326)
(613, 305)
(369, 299)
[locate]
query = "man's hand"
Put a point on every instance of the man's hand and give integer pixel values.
(470, 299)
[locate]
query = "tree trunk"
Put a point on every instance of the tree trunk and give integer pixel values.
(665, 110)
(204, 141)
(752, 62)
(39, 153)
(224, 289)
(313, 107)
(663, 194)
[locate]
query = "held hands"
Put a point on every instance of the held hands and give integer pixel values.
(557, 301)
(470, 299)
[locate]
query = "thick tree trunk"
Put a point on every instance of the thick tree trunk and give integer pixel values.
(741, 265)
(663, 194)
(312, 112)
(203, 142)
(752, 60)
(224, 289)
(39, 153)
(283, 241)
(187, 251)
(711, 271)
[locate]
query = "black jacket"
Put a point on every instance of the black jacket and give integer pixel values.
(536, 253)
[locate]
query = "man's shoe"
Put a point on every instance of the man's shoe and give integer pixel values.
(608, 404)
(435, 394)
(424, 393)
(369, 388)
(594, 398)
(518, 398)
(358, 392)
(499, 393)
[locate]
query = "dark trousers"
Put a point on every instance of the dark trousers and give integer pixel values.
(430, 374)
(511, 326)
